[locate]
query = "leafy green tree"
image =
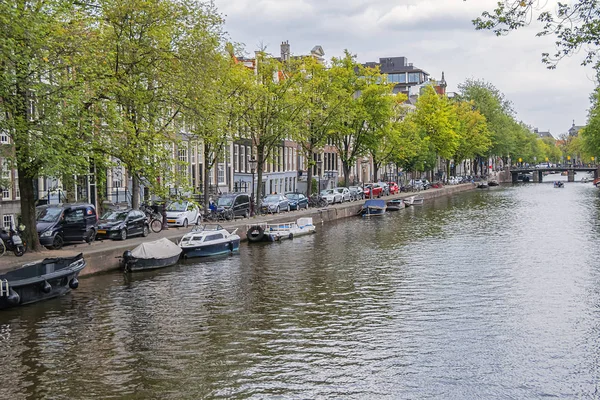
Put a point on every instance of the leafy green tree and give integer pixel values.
(42, 93)
(496, 109)
(273, 108)
(322, 91)
(143, 45)
(474, 136)
(591, 133)
(435, 117)
(574, 25)
(367, 104)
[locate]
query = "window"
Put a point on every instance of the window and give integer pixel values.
(3, 137)
(182, 156)
(8, 221)
(413, 77)
(248, 153)
(242, 158)
(5, 175)
(236, 161)
(216, 236)
(74, 216)
(221, 173)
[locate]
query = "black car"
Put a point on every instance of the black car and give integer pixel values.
(239, 203)
(58, 224)
(297, 201)
(121, 224)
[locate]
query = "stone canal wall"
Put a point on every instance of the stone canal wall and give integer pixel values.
(105, 255)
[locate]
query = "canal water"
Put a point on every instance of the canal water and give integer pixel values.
(487, 294)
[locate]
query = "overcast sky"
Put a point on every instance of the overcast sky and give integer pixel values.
(435, 35)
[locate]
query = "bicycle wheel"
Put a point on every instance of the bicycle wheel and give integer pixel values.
(2, 248)
(156, 225)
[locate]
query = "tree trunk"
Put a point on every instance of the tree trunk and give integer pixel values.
(28, 215)
(309, 173)
(135, 192)
(260, 160)
(205, 179)
(375, 171)
(346, 167)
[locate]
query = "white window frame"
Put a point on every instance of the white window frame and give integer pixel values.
(8, 221)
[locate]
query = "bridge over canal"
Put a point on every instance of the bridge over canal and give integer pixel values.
(538, 173)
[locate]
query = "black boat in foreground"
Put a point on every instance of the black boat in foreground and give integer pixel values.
(40, 280)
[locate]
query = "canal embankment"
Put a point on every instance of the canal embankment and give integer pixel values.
(103, 256)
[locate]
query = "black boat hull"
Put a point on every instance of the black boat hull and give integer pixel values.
(216, 249)
(144, 264)
(43, 280)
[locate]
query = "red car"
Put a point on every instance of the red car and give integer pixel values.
(377, 190)
(394, 189)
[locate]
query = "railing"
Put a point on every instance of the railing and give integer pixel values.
(4, 288)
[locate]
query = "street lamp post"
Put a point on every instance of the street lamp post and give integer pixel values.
(319, 165)
(252, 163)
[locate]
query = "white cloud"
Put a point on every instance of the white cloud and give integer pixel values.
(435, 35)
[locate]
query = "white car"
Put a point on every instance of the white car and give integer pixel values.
(331, 196)
(345, 192)
(182, 213)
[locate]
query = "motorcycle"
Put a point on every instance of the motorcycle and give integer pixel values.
(12, 241)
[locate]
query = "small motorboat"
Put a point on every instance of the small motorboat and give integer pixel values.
(373, 207)
(559, 184)
(395, 205)
(209, 240)
(414, 201)
(40, 280)
(493, 182)
(277, 232)
(151, 255)
(482, 185)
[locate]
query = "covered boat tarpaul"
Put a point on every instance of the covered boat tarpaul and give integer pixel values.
(40, 280)
(150, 255)
(373, 207)
(209, 240)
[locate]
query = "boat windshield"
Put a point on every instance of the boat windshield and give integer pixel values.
(115, 216)
(207, 227)
(50, 214)
(179, 206)
(225, 201)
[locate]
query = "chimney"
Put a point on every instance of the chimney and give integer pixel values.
(285, 51)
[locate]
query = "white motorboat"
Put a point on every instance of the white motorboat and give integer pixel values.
(209, 240)
(276, 232)
(414, 200)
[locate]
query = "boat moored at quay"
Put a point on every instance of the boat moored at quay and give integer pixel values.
(208, 240)
(265, 232)
(40, 280)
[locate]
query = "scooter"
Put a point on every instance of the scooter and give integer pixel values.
(12, 241)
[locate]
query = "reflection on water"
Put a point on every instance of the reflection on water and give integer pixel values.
(489, 294)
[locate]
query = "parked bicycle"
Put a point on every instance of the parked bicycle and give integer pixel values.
(155, 220)
(218, 216)
(317, 201)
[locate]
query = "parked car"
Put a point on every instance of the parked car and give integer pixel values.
(385, 187)
(121, 224)
(345, 192)
(377, 190)
(58, 224)
(297, 201)
(394, 189)
(239, 203)
(274, 203)
(331, 196)
(182, 213)
(357, 192)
